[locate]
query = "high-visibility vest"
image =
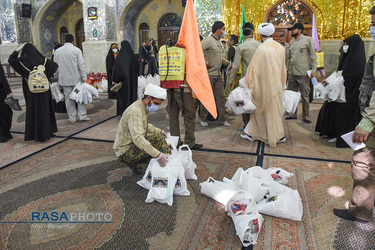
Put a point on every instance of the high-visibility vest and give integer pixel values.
(320, 60)
(175, 66)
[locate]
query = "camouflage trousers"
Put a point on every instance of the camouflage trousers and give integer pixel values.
(135, 156)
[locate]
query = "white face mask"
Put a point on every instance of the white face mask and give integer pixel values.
(114, 50)
(372, 32)
(345, 48)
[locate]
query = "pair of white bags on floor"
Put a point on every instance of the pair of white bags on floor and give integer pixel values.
(332, 88)
(164, 182)
(83, 93)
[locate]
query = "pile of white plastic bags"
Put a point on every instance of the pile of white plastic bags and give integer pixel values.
(164, 182)
(83, 93)
(143, 81)
(253, 192)
(332, 88)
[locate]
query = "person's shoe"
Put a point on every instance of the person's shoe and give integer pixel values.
(179, 144)
(197, 146)
(226, 124)
(344, 214)
(116, 87)
(291, 118)
(72, 120)
(333, 140)
(204, 124)
(282, 140)
(247, 137)
(84, 119)
(241, 129)
(134, 169)
(306, 121)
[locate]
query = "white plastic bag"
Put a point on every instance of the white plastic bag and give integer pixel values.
(82, 93)
(186, 157)
(337, 90)
(142, 83)
(322, 89)
(179, 171)
(76, 93)
(257, 187)
(239, 101)
(242, 202)
(56, 92)
(291, 100)
(286, 205)
(271, 174)
(248, 227)
(103, 88)
(163, 182)
(145, 182)
(332, 88)
(172, 142)
(156, 80)
(218, 190)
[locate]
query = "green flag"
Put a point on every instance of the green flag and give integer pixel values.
(243, 21)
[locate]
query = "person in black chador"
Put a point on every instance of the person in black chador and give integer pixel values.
(336, 119)
(110, 61)
(40, 122)
(142, 58)
(5, 112)
(126, 71)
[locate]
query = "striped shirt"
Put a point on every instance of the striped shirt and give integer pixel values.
(133, 128)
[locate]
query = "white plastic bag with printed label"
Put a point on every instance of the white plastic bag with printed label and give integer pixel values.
(145, 182)
(239, 101)
(271, 174)
(242, 202)
(163, 181)
(248, 227)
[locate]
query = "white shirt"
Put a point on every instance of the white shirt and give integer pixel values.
(72, 67)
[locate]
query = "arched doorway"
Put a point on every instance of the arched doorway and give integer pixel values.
(169, 27)
(285, 13)
(80, 33)
(143, 32)
(63, 32)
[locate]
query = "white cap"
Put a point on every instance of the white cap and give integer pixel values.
(156, 92)
(266, 29)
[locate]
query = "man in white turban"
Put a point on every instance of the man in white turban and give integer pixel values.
(138, 141)
(265, 77)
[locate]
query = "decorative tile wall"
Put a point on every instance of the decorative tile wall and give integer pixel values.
(8, 22)
(97, 26)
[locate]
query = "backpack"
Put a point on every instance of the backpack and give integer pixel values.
(37, 81)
